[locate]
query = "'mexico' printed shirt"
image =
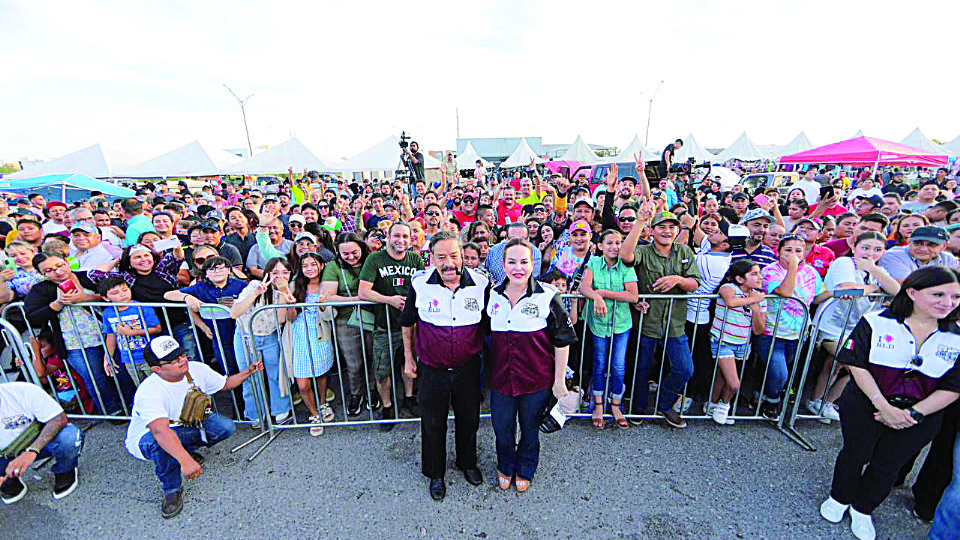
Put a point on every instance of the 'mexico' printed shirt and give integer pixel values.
(524, 337)
(885, 347)
(449, 322)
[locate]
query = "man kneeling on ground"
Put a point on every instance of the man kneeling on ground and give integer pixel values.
(22, 405)
(156, 432)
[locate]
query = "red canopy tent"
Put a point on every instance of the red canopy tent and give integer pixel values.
(868, 151)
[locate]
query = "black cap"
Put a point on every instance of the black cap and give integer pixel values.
(211, 224)
(743, 196)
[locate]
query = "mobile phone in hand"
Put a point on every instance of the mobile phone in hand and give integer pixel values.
(67, 286)
(761, 199)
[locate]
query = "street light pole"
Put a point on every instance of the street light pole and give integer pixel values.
(646, 138)
(243, 111)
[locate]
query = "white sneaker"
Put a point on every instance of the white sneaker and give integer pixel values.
(862, 526)
(316, 429)
(832, 510)
(814, 406)
(831, 411)
(709, 407)
(721, 413)
(281, 418)
(687, 403)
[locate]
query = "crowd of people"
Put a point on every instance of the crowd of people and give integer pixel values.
(467, 276)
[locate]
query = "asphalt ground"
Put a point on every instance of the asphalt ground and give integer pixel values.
(650, 482)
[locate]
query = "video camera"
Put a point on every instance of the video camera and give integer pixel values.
(405, 171)
(404, 139)
(686, 168)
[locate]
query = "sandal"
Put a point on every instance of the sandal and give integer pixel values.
(522, 484)
(316, 428)
(598, 421)
(504, 481)
(618, 417)
(326, 413)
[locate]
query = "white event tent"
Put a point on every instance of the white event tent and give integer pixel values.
(383, 156)
(742, 149)
(578, 151)
(953, 145)
(281, 157)
(800, 143)
(633, 148)
(691, 149)
(97, 161)
(521, 156)
(917, 139)
(191, 160)
(468, 159)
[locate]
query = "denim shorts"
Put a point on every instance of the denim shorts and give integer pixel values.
(727, 350)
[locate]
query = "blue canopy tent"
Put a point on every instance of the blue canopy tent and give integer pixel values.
(65, 187)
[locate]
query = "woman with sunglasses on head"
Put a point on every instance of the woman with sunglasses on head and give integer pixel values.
(274, 288)
(312, 350)
(904, 363)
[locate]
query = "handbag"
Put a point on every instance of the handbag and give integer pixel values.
(195, 406)
(23, 441)
(359, 318)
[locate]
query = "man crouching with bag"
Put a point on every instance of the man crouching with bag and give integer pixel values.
(171, 417)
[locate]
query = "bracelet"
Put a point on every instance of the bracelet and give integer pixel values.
(875, 396)
(32, 449)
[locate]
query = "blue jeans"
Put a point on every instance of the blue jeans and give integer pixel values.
(94, 378)
(601, 346)
(946, 522)
(784, 350)
(681, 369)
(217, 427)
(183, 333)
(513, 458)
(64, 449)
(269, 347)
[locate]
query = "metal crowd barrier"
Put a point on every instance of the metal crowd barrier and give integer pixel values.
(259, 385)
(124, 385)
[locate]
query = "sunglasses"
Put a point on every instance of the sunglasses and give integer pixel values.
(296, 224)
(200, 260)
(627, 219)
(433, 213)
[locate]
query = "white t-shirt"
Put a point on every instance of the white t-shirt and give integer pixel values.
(713, 267)
(157, 398)
(838, 313)
(52, 227)
(811, 190)
(860, 192)
(20, 404)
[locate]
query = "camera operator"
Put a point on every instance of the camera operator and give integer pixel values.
(414, 160)
(666, 158)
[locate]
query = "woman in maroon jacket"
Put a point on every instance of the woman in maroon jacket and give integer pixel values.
(903, 360)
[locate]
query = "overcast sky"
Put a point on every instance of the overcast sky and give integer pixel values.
(341, 76)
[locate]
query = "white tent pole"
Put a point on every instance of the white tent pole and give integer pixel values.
(63, 192)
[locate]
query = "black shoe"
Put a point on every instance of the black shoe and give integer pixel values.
(770, 411)
(355, 404)
(196, 457)
(13, 491)
(64, 483)
(374, 401)
(438, 488)
(172, 504)
(412, 406)
(473, 475)
(388, 413)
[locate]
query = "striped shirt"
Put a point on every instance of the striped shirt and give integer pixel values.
(734, 322)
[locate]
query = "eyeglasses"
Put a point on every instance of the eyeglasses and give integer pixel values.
(176, 360)
(793, 236)
(220, 268)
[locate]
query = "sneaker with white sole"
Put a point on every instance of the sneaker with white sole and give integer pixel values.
(281, 418)
(65, 483)
(687, 403)
(831, 411)
(861, 525)
(814, 406)
(708, 408)
(833, 510)
(316, 427)
(13, 490)
(721, 413)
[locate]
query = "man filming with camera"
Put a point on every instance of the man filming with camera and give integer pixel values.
(413, 159)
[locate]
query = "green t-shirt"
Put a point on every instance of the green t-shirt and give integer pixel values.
(348, 281)
(390, 277)
(613, 279)
(533, 198)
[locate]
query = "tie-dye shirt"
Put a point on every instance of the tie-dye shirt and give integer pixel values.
(792, 315)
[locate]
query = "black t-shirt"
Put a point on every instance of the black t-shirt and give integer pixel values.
(150, 288)
(900, 189)
(668, 151)
(417, 168)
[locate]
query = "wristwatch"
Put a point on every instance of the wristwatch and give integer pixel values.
(32, 449)
(916, 415)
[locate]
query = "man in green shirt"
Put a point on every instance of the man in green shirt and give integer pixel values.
(385, 279)
(662, 267)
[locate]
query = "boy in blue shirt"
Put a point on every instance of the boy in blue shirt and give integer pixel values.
(126, 328)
